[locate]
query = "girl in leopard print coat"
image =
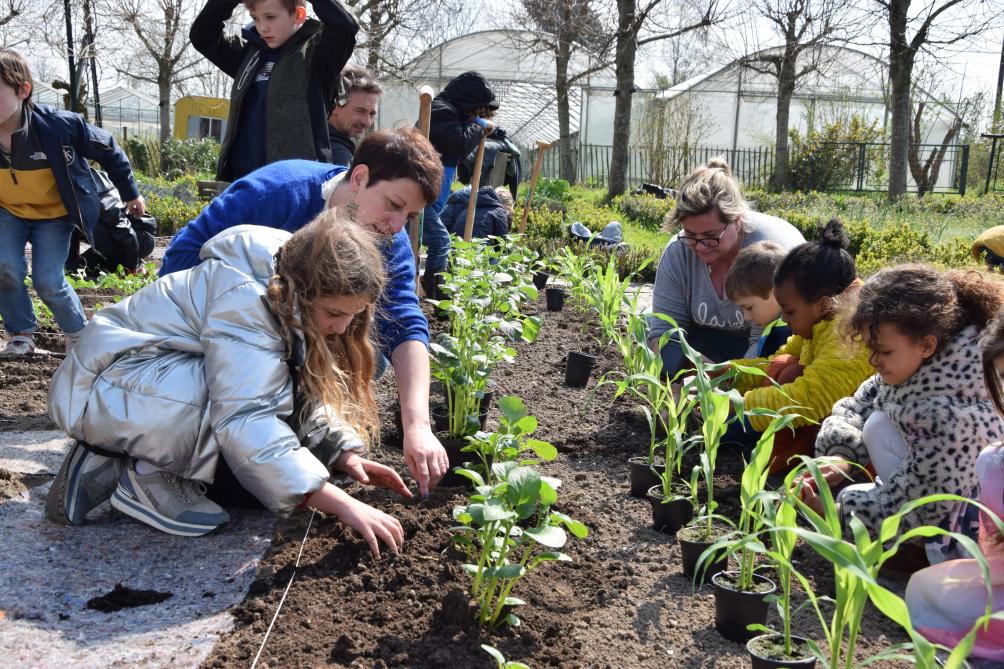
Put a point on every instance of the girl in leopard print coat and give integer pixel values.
(924, 417)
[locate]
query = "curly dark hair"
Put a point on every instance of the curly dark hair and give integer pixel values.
(921, 300)
(992, 345)
(821, 268)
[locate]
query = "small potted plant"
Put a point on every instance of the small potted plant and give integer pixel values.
(741, 595)
(856, 564)
(772, 650)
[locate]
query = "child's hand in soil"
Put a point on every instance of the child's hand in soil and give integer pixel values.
(368, 472)
(373, 524)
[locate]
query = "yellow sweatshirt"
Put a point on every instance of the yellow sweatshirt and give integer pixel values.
(834, 368)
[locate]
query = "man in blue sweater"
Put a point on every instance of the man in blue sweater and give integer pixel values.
(394, 175)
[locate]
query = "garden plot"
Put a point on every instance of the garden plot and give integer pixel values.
(621, 600)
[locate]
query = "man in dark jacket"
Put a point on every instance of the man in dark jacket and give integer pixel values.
(459, 120)
(285, 71)
(352, 113)
(46, 190)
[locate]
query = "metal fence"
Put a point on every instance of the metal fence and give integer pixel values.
(993, 169)
(825, 166)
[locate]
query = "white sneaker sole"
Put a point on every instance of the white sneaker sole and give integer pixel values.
(126, 502)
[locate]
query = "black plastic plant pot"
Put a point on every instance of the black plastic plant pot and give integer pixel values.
(486, 405)
(441, 417)
(555, 298)
(669, 517)
(578, 367)
(767, 652)
(642, 475)
(540, 279)
(457, 459)
(692, 544)
(736, 609)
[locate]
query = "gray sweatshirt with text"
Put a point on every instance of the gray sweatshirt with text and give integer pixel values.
(683, 287)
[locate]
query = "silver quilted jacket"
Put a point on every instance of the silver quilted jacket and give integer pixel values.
(192, 367)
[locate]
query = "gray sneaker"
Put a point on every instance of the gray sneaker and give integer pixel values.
(168, 502)
(85, 480)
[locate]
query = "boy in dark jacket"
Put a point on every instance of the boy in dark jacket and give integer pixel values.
(46, 189)
(459, 120)
(492, 216)
(285, 71)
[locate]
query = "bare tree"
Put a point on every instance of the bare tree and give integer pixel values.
(14, 28)
(392, 29)
(913, 27)
(805, 26)
(925, 174)
(163, 57)
(671, 129)
(637, 26)
(564, 28)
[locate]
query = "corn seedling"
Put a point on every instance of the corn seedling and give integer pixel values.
(856, 564)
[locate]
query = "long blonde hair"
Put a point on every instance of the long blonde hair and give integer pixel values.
(331, 257)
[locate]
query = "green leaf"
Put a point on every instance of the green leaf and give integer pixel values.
(512, 408)
(548, 495)
(578, 530)
(513, 601)
(544, 450)
(514, 570)
(548, 535)
(513, 620)
(494, 510)
(495, 653)
(531, 329)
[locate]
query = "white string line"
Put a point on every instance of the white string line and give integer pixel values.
(296, 565)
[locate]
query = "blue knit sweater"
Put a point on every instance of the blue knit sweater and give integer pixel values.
(287, 195)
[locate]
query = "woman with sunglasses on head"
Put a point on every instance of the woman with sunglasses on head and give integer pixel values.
(713, 223)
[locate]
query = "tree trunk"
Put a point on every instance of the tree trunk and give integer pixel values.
(627, 47)
(164, 101)
(562, 56)
(785, 91)
(901, 58)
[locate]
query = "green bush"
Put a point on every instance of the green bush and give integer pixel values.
(171, 213)
(544, 223)
(828, 159)
(189, 156)
(554, 189)
(647, 211)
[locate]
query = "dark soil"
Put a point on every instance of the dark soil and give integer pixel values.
(122, 597)
(622, 602)
(24, 387)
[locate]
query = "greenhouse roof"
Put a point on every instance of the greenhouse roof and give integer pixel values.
(521, 76)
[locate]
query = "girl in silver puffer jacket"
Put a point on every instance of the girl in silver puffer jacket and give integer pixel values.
(261, 355)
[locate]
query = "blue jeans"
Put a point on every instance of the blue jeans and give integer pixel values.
(436, 239)
(50, 244)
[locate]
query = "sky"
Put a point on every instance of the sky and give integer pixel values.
(966, 70)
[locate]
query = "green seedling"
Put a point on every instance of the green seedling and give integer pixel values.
(856, 564)
(500, 658)
(486, 286)
(507, 529)
(512, 440)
